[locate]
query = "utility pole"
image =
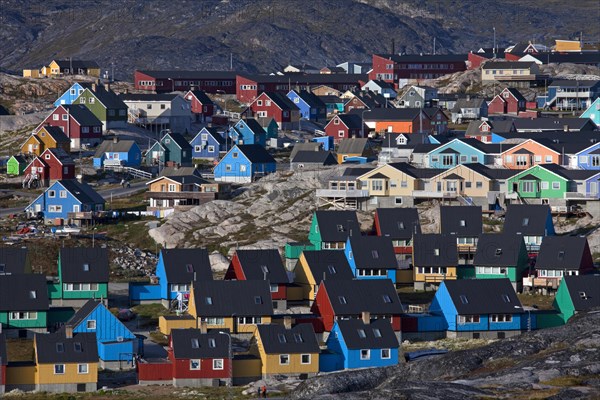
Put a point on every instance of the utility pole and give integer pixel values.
(434, 46)
(494, 48)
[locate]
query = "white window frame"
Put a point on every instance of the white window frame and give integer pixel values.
(62, 367)
(365, 354)
(302, 359)
(81, 370)
(389, 354)
(218, 364)
(91, 324)
(195, 361)
(284, 359)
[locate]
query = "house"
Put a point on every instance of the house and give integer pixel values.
(303, 68)
(310, 105)
(484, 130)
(532, 221)
(479, 308)
(201, 105)
(117, 152)
(105, 104)
(435, 259)
(541, 184)
(593, 112)
(397, 120)
(277, 106)
(559, 257)
(46, 137)
(509, 71)
(355, 67)
(468, 109)
(172, 148)
(577, 294)
(345, 126)
(500, 255)
(460, 151)
(65, 197)
(324, 90)
(207, 144)
(211, 302)
(312, 160)
(248, 131)
(16, 165)
(465, 224)
(330, 229)
(418, 97)
(66, 362)
(71, 67)
(315, 266)
(23, 304)
(181, 192)
(82, 275)
(349, 299)
(344, 192)
(80, 125)
(352, 149)
(333, 104)
(287, 350)
(364, 100)
(565, 94)
(14, 260)
(183, 81)
(117, 346)
(529, 153)
(332, 70)
(397, 147)
(262, 264)
(553, 124)
(526, 48)
(508, 101)
(158, 111)
(244, 163)
(72, 93)
(53, 164)
(371, 257)
(360, 343)
(383, 88)
(438, 120)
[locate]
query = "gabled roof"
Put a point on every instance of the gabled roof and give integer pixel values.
(318, 157)
(557, 137)
(378, 334)
(53, 348)
(62, 156)
(212, 132)
(353, 146)
(148, 97)
(84, 264)
(84, 64)
(472, 102)
(23, 292)
(516, 94)
(255, 153)
(82, 114)
(19, 158)
(542, 124)
(507, 65)
(526, 219)
(337, 225)
(498, 250)
(109, 98)
(262, 264)
(192, 344)
(253, 125)
(398, 223)
(352, 121)
(329, 99)
(417, 173)
(13, 260)
(83, 312)
(182, 264)
(180, 171)
(352, 297)
(434, 250)
(311, 99)
(276, 339)
(201, 96)
(391, 139)
(121, 146)
(492, 173)
(462, 221)
(584, 291)
(181, 179)
(55, 133)
(328, 265)
(214, 298)
(305, 146)
(390, 114)
(373, 252)
(281, 101)
(562, 252)
(82, 191)
(483, 296)
(178, 139)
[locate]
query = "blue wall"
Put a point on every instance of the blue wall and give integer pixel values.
(67, 203)
(140, 292)
(587, 162)
(301, 104)
(132, 158)
(326, 142)
(593, 112)
(463, 149)
(68, 97)
(221, 171)
(241, 131)
(210, 141)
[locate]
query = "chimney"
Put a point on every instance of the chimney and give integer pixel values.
(287, 322)
(116, 139)
(126, 91)
(94, 86)
(566, 128)
(366, 317)
(203, 327)
(69, 331)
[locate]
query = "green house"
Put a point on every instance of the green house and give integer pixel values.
(172, 148)
(272, 129)
(82, 275)
(23, 303)
(105, 105)
(16, 165)
(329, 230)
(577, 293)
(539, 183)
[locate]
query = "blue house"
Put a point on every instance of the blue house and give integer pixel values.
(207, 144)
(479, 308)
(172, 148)
(118, 152)
(117, 346)
(371, 257)
(532, 221)
(325, 141)
(63, 197)
(248, 131)
(358, 343)
(311, 107)
(455, 152)
(593, 112)
(71, 94)
(244, 163)
(175, 271)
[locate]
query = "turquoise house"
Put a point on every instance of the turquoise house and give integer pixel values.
(593, 112)
(455, 152)
(172, 148)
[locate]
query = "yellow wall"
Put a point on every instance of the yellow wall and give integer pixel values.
(34, 141)
(94, 72)
(20, 375)
(31, 73)
(53, 66)
(469, 176)
(394, 175)
(45, 374)
(568, 45)
(166, 325)
(270, 362)
(49, 142)
(156, 186)
(450, 274)
(304, 278)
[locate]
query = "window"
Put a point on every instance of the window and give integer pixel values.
(501, 318)
(436, 252)
(23, 315)
(284, 359)
(218, 364)
(361, 333)
(82, 100)
(386, 298)
(197, 149)
(548, 159)
(259, 103)
(385, 354)
(195, 343)
(257, 300)
(211, 149)
(163, 106)
(555, 185)
(82, 369)
(55, 117)
(180, 287)
(298, 338)
(341, 133)
(211, 343)
(228, 167)
(505, 298)
(54, 209)
(468, 319)
(213, 321)
(479, 185)
(305, 359)
(342, 300)
(234, 154)
(249, 320)
(544, 185)
(273, 288)
(365, 354)
(92, 100)
(331, 269)
(525, 222)
(374, 253)
(52, 193)
(194, 365)
(91, 324)
(281, 338)
(59, 369)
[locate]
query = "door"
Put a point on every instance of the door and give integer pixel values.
(76, 208)
(30, 148)
(38, 208)
(594, 188)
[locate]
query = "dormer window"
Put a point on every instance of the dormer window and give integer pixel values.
(77, 347)
(331, 269)
(361, 333)
(401, 225)
(189, 268)
(86, 267)
(340, 228)
(463, 299)
(195, 343)
(463, 222)
(583, 296)
(264, 269)
(257, 300)
(208, 300)
(211, 343)
(281, 338)
(2, 268)
(436, 252)
(498, 252)
(342, 300)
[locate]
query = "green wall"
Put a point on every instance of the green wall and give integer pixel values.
(544, 176)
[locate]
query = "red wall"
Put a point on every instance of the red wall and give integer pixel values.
(182, 370)
(332, 130)
(496, 106)
(235, 271)
(208, 85)
(475, 60)
(246, 95)
(273, 111)
(155, 372)
(36, 164)
(322, 307)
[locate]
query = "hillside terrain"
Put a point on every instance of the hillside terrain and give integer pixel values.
(264, 35)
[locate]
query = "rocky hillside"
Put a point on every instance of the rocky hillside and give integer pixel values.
(559, 363)
(263, 35)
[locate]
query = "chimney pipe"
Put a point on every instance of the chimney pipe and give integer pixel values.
(203, 327)
(287, 322)
(116, 139)
(366, 317)
(69, 331)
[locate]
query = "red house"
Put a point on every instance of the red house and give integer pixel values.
(201, 105)
(77, 122)
(345, 126)
(276, 106)
(51, 165)
(264, 264)
(509, 101)
(171, 81)
(350, 298)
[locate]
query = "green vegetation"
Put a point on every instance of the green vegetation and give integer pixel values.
(565, 381)
(19, 349)
(159, 338)
(134, 233)
(540, 301)
(150, 311)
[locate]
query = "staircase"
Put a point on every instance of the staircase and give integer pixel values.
(29, 179)
(136, 173)
(467, 201)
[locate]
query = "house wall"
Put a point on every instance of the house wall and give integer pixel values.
(413, 126)
(322, 307)
(181, 369)
(45, 374)
(395, 177)
(544, 176)
(68, 97)
(40, 322)
(563, 302)
(237, 164)
(144, 292)
(271, 365)
(469, 176)
(305, 279)
(466, 154)
(545, 156)
(166, 325)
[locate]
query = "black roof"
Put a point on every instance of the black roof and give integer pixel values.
(83, 312)
(492, 173)
(216, 299)
(179, 140)
(57, 348)
(398, 223)
(121, 146)
(262, 264)
(82, 191)
(253, 125)
(148, 96)
(507, 64)
(255, 153)
(352, 121)
(422, 173)
(23, 292)
(82, 114)
(311, 99)
(550, 124)
(193, 344)
(499, 250)
(330, 99)
(373, 252)
(563, 252)
(56, 133)
(352, 297)
(584, 291)
(336, 226)
(331, 265)
(282, 101)
(214, 133)
(576, 83)
(378, 334)
(555, 136)
(317, 157)
(84, 64)
(181, 264)
(387, 114)
(462, 221)
(299, 339)
(434, 250)
(202, 97)
(409, 58)
(307, 79)
(109, 98)
(193, 75)
(84, 264)
(13, 260)
(483, 296)
(3, 354)
(526, 219)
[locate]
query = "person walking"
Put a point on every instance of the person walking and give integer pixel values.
(264, 391)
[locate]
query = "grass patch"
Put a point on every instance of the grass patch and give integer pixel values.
(19, 349)
(134, 202)
(134, 233)
(565, 381)
(159, 338)
(150, 311)
(409, 296)
(540, 301)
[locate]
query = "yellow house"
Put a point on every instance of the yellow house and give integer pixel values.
(393, 184)
(563, 46)
(508, 71)
(46, 137)
(316, 265)
(435, 258)
(353, 147)
(31, 73)
(235, 305)
(182, 190)
(66, 362)
(166, 323)
(72, 67)
(287, 351)
(462, 180)
(33, 145)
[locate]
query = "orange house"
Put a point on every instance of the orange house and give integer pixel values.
(527, 154)
(46, 137)
(398, 120)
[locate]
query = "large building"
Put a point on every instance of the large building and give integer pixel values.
(171, 81)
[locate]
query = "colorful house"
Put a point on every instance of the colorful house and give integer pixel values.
(66, 362)
(277, 106)
(77, 122)
(118, 152)
(315, 266)
(23, 304)
(72, 94)
(500, 255)
(171, 149)
(539, 182)
(353, 149)
(371, 257)
(360, 343)
(117, 346)
(14, 260)
(528, 154)
(345, 126)
(311, 107)
(244, 164)
(105, 105)
(288, 351)
(435, 259)
(201, 105)
(71, 67)
(398, 120)
(181, 192)
(330, 229)
(248, 131)
(333, 104)
(577, 294)
(593, 112)
(532, 221)
(458, 151)
(16, 165)
(82, 275)
(46, 137)
(508, 101)
(586, 158)
(465, 224)
(53, 164)
(479, 308)
(207, 144)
